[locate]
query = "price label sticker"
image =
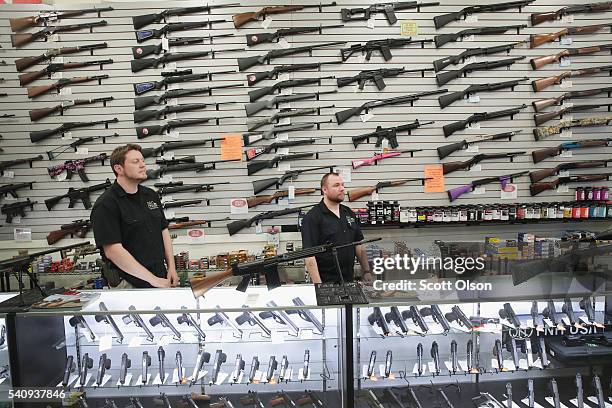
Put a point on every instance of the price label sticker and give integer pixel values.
(409, 28)
(283, 167)
(473, 99)
(471, 60)
(171, 116)
(469, 38)
(374, 196)
(82, 150)
(565, 62)
(8, 174)
(62, 176)
(563, 189)
(291, 193)
(66, 136)
(173, 134)
(173, 101)
(474, 126)
(565, 84)
(54, 38)
(165, 44)
(266, 23)
(171, 66)
(283, 43)
(568, 18)
(58, 60)
(65, 91)
(169, 214)
(564, 173)
(361, 58)
(22, 234)
(283, 150)
(172, 19)
(57, 75)
(472, 18)
(345, 174)
(366, 117)
(479, 190)
(473, 148)
(283, 77)
(476, 168)
(371, 23)
(566, 154)
(566, 41)
(258, 229)
(282, 137)
(283, 201)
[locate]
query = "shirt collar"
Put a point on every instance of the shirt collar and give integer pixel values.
(326, 210)
(120, 191)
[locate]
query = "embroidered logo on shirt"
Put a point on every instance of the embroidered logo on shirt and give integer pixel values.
(152, 205)
(350, 220)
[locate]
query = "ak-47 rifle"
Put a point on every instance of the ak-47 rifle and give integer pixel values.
(24, 63)
(357, 193)
(244, 18)
(377, 76)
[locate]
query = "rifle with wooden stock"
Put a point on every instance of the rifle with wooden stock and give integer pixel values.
(19, 40)
(542, 154)
(538, 18)
(541, 118)
(244, 18)
(537, 63)
(193, 223)
(543, 132)
(538, 175)
(450, 167)
(542, 104)
(36, 91)
(38, 114)
(44, 17)
(254, 201)
(29, 77)
(77, 228)
(24, 63)
(543, 83)
(537, 188)
(357, 193)
(535, 40)
(449, 149)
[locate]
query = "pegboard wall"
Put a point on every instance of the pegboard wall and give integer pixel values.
(333, 144)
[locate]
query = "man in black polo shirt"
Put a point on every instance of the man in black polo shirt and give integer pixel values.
(330, 221)
(130, 227)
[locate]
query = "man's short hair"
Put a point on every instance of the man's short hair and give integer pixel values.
(326, 176)
(118, 155)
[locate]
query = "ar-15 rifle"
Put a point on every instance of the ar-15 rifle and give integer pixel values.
(389, 9)
(77, 228)
(38, 114)
(442, 39)
(543, 83)
(381, 156)
(442, 63)
(444, 19)
(24, 63)
(145, 50)
(537, 63)
(543, 132)
(377, 76)
(248, 62)
(76, 166)
(29, 77)
(389, 134)
(537, 188)
(383, 45)
(445, 77)
(541, 118)
(39, 135)
(260, 38)
(535, 40)
(12, 188)
(450, 167)
(357, 193)
(144, 35)
(343, 116)
(76, 194)
(243, 18)
(456, 192)
(144, 87)
(4, 165)
(545, 103)
(538, 175)
(538, 18)
(140, 64)
(146, 19)
(446, 150)
(542, 154)
(36, 91)
(19, 40)
(451, 128)
(263, 184)
(448, 99)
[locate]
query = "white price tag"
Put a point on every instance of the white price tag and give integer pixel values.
(54, 38)
(565, 84)
(173, 134)
(258, 228)
(106, 343)
(365, 117)
(173, 101)
(22, 234)
(286, 166)
(566, 153)
(345, 173)
(474, 126)
(566, 133)
(62, 176)
(566, 41)
(171, 116)
(266, 23)
(172, 19)
(469, 38)
(82, 150)
(283, 201)
(284, 77)
(476, 168)
(565, 62)
(563, 189)
(171, 66)
(564, 173)
(166, 178)
(283, 43)
(168, 156)
(479, 190)
(283, 150)
(57, 75)
(361, 58)
(66, 136)
(567, 18)
(58, 60)
(371, 23)
(374, 196)
(165, 44)
(169, 214)
(472, 18)
(385, 144)
(471, 60)
(282, 137)
(8, 174)
(65, 91)
(473, 99)
(473, 148)
(291, 193)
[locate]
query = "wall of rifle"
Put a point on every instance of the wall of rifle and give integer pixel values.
(493, 95)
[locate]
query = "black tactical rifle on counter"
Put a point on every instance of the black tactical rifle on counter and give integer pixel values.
(343, 116)
(444, 19)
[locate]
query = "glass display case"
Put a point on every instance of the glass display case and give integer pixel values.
(257, 348)
(424, 343)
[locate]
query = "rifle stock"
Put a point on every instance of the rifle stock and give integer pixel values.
(543, 83)
(264, 184)
(243, 18)
(201, 285)
(538, 18)
(542, 154)
(451, 128)
(55, 236)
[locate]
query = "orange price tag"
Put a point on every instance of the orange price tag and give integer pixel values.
(435, 182)
(231, 147)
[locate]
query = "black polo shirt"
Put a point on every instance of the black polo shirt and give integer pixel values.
(136, 221)
(321, 226)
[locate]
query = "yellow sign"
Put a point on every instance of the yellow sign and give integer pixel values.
(409, 28)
